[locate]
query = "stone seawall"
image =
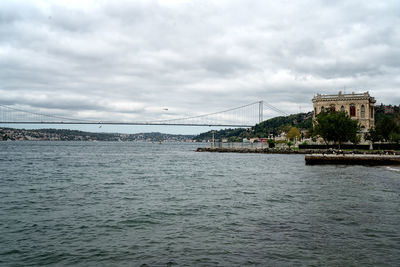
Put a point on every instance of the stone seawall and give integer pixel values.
(250, 150)
(353, 159)
(291, 151)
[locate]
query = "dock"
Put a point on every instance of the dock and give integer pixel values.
(352, 159)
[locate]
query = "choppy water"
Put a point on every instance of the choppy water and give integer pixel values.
(132, 204)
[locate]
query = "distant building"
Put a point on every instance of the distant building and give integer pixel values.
(254, 140)
(389, 109)
(359, 107)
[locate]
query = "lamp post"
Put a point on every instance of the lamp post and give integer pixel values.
(213, 138)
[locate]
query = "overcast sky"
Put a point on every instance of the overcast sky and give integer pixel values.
(132, 60)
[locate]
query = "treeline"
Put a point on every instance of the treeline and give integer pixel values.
(387, 124)
(386, 130)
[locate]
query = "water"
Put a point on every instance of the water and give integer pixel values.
(133, 204)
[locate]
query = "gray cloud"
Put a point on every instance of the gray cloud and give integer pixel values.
(134, 58)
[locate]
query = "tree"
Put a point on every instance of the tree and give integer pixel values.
(235, 139)
(271, 143)
(293, 133)
(289, 144)
(387, 127)
(373, 136)
(356, 139)
(335, 126)
(395, 137)
(284, 129)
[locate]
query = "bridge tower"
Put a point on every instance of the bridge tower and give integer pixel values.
(260, 111)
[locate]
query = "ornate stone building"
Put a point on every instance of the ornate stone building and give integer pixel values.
(359, 106)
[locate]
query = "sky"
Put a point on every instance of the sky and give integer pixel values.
(150, 60)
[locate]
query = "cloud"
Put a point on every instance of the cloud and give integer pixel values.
(132, 59)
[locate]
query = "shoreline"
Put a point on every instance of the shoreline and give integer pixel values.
(250, 150)
(291, 151)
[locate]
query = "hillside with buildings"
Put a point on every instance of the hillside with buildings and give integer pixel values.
(278, 125)
(265, 129)
(74, 135)
(386, 111)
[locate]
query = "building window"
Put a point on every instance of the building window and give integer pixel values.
(352, 110)
(371, 112)
(322, 109)
(332, 108)
(341, 108)
(362, 111)
(315, 111)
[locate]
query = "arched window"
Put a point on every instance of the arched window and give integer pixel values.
(315, 111)
(352, 110)
(341, 108)
(322, 109)
(362, 111)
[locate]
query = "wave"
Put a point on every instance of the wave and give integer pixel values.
(395, 169)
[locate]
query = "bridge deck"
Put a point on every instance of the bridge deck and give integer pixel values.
(124, 123)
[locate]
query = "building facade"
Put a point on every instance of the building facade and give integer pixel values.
(359, 107)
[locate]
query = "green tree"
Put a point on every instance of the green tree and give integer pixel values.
(289, 144)
(395, 137)
(387, 127)
(235, 139)
(373, 136)
(293, 133)
(355, 139)
(271, 143)
(284, 129)
(335, 126)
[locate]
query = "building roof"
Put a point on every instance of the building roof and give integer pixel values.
(344, 97)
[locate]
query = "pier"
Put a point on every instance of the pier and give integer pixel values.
(352, 159)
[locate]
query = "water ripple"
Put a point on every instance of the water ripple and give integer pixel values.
(76, 203)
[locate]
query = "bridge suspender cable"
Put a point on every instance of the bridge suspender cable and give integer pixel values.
(269, 106)
(44, 115)
(209, 114)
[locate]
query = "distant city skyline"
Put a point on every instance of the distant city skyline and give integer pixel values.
(145, 60)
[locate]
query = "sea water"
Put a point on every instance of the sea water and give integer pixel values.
(145, 204)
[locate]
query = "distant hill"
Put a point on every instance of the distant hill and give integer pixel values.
(263, 129)
(273, 126)
(74, 135)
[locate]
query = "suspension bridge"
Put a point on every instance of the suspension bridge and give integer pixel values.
(243, 116)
